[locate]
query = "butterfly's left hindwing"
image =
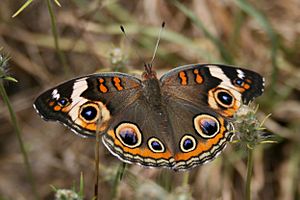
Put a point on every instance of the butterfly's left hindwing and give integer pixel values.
(84, 103)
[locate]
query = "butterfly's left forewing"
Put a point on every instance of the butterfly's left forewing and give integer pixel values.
(88, 103)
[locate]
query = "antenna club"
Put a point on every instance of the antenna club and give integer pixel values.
(122, 29)
(157, 42)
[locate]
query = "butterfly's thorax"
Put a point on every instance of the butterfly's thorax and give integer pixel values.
(152, 92)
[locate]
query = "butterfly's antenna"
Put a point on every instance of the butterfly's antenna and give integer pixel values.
(157, 42)
(126, 37)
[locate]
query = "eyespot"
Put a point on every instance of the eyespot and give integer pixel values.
(224, 98)
(89, 112)
(156, 145)
(187, 143)
(63, 102)
(238, 81)
(206, 126)
(129, 135)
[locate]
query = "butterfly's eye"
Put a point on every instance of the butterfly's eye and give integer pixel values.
(63, 102)
(206, 126)
(129, 135)
(89, 112)
(156, 145)
(224, 98)
(187, 143)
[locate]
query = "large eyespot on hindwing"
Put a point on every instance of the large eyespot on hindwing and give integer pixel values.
(187, 143)
(155, 145)
(206, 126)
(129, 135)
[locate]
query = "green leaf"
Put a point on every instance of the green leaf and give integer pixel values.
(53, 188)
(57, 3)
(25, 5)
(9, 78)
(81, 187)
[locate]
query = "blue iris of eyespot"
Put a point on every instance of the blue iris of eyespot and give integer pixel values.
(239, 81)
(156, 146)
(63, 102)
(209, 127)
(89, 113)
(225, 98)
(128, 136)
(188, 144)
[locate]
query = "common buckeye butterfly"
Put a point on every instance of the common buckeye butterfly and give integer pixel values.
(178, 121)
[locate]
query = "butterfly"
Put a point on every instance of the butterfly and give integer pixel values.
(179, 121)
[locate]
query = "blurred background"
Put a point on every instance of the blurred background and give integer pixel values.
(48, 44)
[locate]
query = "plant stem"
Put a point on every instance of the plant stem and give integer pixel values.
(18, 133)
(117, 179)
(185, 181)
(249, 173)
(97, 161)
(55, 35)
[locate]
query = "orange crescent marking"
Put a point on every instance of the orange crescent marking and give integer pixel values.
(201, 147)
(246, 86)
(81, 123)
(101, 80)
(51, 103)
(103, 89)
(199, 78)
(241, 90)
(230, 111)
(117, 83)
(57, 108)
(182, 76)
(91, 126)
(102, 86)
(66, 109)
(248, 80)
(143, 152)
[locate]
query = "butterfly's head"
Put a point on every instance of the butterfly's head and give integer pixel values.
(149, 73)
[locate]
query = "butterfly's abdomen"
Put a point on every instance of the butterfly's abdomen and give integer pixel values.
(153, 97)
